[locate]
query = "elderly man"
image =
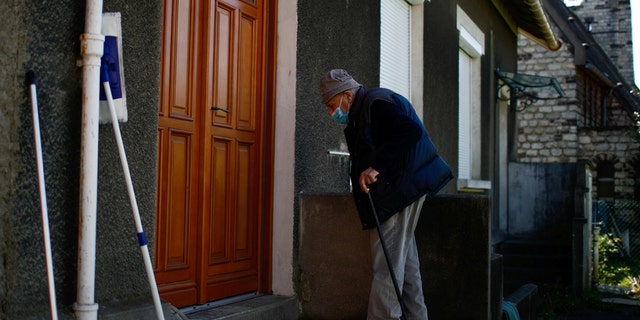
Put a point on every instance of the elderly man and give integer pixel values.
(393, 158)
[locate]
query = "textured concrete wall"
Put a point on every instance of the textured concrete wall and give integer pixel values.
(50, 48)
(44, 37)
(453, 238)
(119, 260)
(441, 80)
(335, 259)
(454, 243)
(331, 34)
(441, 52)
(441, 77)
(12, 97)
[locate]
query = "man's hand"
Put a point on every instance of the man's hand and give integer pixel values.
(368, 177)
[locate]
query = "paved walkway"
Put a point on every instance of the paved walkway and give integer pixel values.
(621, 309)
(600, 315)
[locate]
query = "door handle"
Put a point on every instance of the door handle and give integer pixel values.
(221, 109)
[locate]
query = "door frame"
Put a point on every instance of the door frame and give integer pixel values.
(269, 143)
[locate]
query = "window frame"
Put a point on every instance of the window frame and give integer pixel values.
(471, 49)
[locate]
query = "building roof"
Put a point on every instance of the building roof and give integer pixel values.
(588, 53)
(528, 17)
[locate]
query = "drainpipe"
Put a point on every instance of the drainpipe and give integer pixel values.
(91, 49)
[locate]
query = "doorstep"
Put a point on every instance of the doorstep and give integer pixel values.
(246, 307)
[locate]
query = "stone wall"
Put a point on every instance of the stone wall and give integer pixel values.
(610, 24)
(554, 130)
(547, 129)
(617, 146)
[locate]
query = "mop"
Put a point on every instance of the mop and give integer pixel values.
(43, 196)
(142, 238)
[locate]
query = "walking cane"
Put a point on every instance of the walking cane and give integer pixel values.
(43, 195)
(403, 308)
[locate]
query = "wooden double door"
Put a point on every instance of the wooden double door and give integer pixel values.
(210, 223)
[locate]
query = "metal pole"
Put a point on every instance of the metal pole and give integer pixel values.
(596, 258)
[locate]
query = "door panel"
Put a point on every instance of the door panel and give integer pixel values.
(210, 160)
(221, 155)
(178, 219)
(248, 63)
(221, 55)
(235, 163)
(178, 149)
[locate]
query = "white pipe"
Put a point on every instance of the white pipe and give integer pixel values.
(142, 239)
(339, 153)
(91, 48)
(43, 199)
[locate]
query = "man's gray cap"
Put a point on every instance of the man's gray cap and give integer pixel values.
(334, 82)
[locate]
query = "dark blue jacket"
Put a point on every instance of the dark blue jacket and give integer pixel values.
(385, 133)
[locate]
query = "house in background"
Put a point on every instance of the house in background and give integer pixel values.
(595, 70)
(588, 126)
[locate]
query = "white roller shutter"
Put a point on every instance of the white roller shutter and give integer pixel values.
(395, 46)
(464, 116)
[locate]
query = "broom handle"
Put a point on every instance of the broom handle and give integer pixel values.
(43, 196)
(142, 238)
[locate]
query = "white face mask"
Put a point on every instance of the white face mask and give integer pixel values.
(338, 115)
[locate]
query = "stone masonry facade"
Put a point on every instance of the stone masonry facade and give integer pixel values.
(610, 24)
(559, 130)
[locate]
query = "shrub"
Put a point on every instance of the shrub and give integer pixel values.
(615, 266)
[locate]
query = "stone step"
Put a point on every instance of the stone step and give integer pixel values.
(253, 307)
(533, 247)
(539, 262)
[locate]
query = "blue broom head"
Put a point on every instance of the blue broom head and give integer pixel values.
(110, 68)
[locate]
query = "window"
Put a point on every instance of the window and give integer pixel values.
(471, 49)
(593, 99)
(395, 46)
(465, 135)
(606, 184)
(635, 163)
(573, 3)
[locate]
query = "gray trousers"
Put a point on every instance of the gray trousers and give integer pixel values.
(398, 233)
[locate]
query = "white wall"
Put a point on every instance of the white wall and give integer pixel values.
(283, 188)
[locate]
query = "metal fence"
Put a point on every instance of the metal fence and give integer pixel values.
(617, 240)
